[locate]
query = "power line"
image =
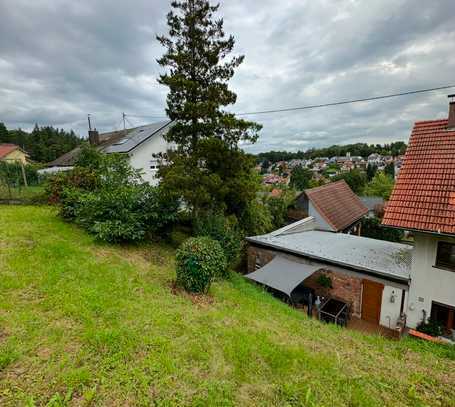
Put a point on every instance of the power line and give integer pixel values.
(317, 106)
(349, 101)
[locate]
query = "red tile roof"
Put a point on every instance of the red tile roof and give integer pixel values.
(337, 204)
(5, 149)
(424, 194)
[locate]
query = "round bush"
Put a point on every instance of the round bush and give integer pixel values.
(198, 261)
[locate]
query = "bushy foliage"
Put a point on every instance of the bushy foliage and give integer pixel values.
(256, 219)
(381, 185)
(224, 230)
(430, 327)
(371, 227)
(355, 178)
(325, 281)
(107, 197)
(278, 207)
(79, 178)
(199, 260)
(124, 214)
(300, 178)
(12, 175)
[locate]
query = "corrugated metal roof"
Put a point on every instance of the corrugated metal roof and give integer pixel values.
(364, 254)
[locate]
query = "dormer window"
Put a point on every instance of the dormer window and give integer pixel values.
(445, 257)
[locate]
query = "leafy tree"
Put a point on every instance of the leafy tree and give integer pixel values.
(300, 178)
(390, 170)
(355, 178)
(371, 171)
(381, 185)
(207, 170)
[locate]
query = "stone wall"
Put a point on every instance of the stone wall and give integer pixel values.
(346, 286)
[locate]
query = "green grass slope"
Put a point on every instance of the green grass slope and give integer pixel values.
(88, 324)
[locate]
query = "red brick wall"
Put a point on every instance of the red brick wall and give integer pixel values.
(346, 287)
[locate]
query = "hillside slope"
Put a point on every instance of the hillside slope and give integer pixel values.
(84, 323)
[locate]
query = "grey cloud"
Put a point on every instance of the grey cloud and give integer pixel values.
(60, 60)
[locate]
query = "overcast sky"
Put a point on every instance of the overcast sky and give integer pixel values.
(62, 59)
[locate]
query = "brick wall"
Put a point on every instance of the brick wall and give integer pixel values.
(346, 287)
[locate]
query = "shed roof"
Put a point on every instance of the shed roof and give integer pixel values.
(424, 195)
(337, 204)
(378, 257)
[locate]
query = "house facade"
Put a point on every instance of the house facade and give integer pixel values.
(143, 145)
(12, 153)
(423, 202)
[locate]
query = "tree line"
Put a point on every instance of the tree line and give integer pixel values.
(43, 144)
(359, 149)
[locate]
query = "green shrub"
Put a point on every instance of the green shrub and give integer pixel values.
(198, 261)
(325, 281)
(125, 214)
(222, 229)
(371, 227)
(78, 178)
(11, 174)
(431, 327)
(256, 219)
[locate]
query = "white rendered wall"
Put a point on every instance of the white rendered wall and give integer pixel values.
(390, 311)
(142, 156)
(428, 283)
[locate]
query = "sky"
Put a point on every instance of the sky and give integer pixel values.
(63, 59)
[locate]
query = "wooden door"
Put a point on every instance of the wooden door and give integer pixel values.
(371, 301)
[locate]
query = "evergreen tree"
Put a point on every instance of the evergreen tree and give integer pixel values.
(208, 170)
(4, 136)
(371, 171)
(197, 76)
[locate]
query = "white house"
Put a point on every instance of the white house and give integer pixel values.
(143, 145)
(423, 201)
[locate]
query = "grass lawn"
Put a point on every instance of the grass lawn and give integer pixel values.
(88, 324)
(22, 193)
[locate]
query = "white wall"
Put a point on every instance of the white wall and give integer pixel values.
(142, 156)
(322, 223)
(390, 311)
(428, 283)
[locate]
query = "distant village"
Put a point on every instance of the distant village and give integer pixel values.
(326, 168)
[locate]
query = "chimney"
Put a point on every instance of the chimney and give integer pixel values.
(451, 123)
(93, 137)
